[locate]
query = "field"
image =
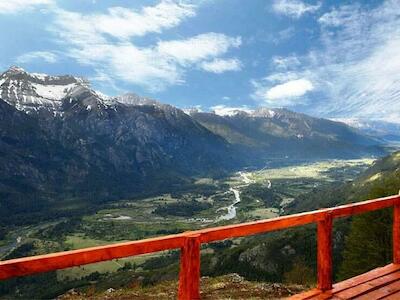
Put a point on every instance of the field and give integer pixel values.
(78, 241)
(326, 170)
(262, 194)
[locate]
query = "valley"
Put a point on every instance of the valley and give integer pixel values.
(80, 169)
(250, 194)
(257, 143)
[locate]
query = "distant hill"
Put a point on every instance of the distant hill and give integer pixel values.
(384, 130)
(382, 178)
(280, 132)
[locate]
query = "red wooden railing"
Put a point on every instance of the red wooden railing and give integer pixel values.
(189, 243)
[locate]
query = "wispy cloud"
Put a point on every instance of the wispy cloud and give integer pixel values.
(104, 41)
(283, 35)
(123, 23)
(200, 47)
(294, 8)
(355, 71)
(17, 6)
(46, 56)
(219, 66)
(285, 63)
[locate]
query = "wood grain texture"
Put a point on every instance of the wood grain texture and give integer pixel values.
(189, 275)
(366, 287)
(347, 285)
(66, 259)
(190, 243)
(324, 252)
(381, 292)
(396, 234)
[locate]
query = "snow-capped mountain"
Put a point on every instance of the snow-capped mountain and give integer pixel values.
(33, 91)
(133, 99)
(60, 139)
(387, 131)
(277, 132)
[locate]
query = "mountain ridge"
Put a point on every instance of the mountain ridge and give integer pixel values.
(271, 130)
(70, 142)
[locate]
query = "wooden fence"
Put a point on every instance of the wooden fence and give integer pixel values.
(189, 243)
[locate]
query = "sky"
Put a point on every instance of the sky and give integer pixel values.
(334, 59)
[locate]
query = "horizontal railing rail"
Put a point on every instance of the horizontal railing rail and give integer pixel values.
(190, 242)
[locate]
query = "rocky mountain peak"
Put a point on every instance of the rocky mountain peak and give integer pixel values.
(133, 99)
(15, 70)
(35, 91)
(265, 112)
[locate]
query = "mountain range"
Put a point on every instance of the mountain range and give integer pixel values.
(273, 133)
(62, 140)
(387, 131)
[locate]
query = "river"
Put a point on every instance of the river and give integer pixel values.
(231, 209)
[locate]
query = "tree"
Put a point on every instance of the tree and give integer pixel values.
(300, 273)
(3, 233)
(369, 242)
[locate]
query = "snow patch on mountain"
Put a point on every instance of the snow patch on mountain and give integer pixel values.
(36, 91)
(53, 91)
(133, 99)
(223, 110)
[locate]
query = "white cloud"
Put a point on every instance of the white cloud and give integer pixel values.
(360, 65)
(286, 88)
(290, 89)
(125, 61)
(223, 110)
(200, 47)
(294, 8)
(17, 6)
(221, 65)
(338, 17)
(283, 35)
(281, 77)
(285, 63)
(46, 56)
(355, 71)
(124, 23)
(104, 42)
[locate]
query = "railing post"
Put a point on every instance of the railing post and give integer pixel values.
(396, 233)
(189, 274)
(324, 252)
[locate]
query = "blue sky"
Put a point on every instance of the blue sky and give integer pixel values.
(337, 59)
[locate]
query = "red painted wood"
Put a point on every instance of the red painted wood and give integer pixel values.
(364, 206)
(55, 261)
(262, 226)
(324, 253)
(396, 234)
(348, 284)
(61, 260)
(189, 275)
(366, 287)
(381, 292)
(395, 296)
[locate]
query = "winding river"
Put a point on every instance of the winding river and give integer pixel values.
(231, 209)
